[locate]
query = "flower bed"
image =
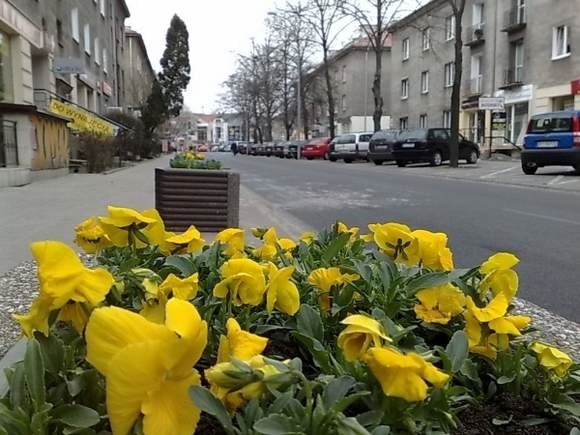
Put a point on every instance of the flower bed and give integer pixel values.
(191, 160)
(335, 333)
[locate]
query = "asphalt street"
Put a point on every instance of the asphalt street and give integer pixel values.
(541, 226)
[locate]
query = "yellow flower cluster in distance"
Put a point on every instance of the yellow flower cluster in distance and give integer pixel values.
(552, 359)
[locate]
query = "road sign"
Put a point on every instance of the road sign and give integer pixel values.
(491, 103)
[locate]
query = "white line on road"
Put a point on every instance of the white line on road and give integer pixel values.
(541, 216)
(493, 174)
(556, 180)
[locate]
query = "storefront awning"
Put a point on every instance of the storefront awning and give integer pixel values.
(82, 121)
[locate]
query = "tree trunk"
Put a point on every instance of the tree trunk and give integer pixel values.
(456, 94)
(378, 113)
(329, 91)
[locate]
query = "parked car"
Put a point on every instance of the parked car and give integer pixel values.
(316, 148)
(279, 150)
(253, 149)
(350, 147)
(269, 149)
(552, 139)
(381, 146)
(215, 149)
(431, 145)
(291, 150)
(203, 148)
(243, 147)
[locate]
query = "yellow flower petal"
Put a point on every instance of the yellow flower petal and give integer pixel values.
(75, 314)
(495, 309)
(499, 261)
(243, 345)
(191, 238)
(124, 217)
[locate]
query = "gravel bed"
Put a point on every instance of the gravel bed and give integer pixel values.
(19, 287)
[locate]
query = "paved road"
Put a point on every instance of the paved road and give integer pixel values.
(540, 226)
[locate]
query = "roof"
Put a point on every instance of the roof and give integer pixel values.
(125, 8)
(130, 33)
(361, 43)
(29, 108)
(427, 7)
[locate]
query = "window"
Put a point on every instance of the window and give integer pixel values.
(521, 11)
(5, 68)
(450, 28)
(476, 76)
(449, 74)
(478, 15)
(97, 52)
(440, 134)
(105, 60)
(560, 47)
(406, 49)
(447, 119)
(343, 103)
(423, 121)
(426, 38)
(404, 123)
(404, 89)
(102, 5)
(344, 74)
(74, 24)
(88, 39)
(425, 82)
(516, 73)
(59, 32)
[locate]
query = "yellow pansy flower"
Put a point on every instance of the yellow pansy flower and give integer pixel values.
(234, 240)
(433, 250)
(552, 358)
(189, 241)
(122, 220)
(328, 278)
(155, 233)
(269, 249)
(439, 304)
(239, 344)
(397, 241)
(498, 275)
(281, 292)
(307, 237)
(63, 279)
(75, 314)
(403, 376)
(148, 367)
(341, 228)
(90, 236)
(243, 279)
(488, 329)
(157, 295)
(181, 288)
(360, 334)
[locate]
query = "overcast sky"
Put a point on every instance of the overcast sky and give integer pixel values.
(217, 30)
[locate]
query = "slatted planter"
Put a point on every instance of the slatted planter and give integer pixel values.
(208, 199)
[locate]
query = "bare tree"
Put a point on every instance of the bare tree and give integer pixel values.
(374, 18)
(458, 8)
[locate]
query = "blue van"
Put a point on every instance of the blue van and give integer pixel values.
(552, 139)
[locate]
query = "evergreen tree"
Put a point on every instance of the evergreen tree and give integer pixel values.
(174, 76)
(155, 109)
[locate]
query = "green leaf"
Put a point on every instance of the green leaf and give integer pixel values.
(502, 380)
(428, 280)
(370, 418)
(308, 322)
(575, 431)
(457, 350)
(276, 424)
(76, 416)
(207, 402)
(183, 264)
(18, 386)
(335, 246)
(349, 426)
(52, 353)
(34, 373)
(316, 349)
(337, 389)
(12, 422)
(381, 430)
(469, 370)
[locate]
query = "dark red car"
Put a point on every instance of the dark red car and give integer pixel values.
(316, 148)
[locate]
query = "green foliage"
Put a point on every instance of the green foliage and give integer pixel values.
(181, 161)
(155, 110)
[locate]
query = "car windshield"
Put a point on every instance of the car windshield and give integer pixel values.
(389, 136)
(551, 124)
(365, 137)
(347, 138)
(418, 134)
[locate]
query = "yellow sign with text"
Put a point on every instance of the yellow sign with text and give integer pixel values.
(82, 121)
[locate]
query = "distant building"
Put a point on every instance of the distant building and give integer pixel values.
(352, 72)
(138, 71)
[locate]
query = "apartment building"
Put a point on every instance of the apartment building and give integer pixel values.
(521, 50)
(352, 72)
(138, 70)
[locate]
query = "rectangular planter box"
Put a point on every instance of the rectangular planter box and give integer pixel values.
(208, 199)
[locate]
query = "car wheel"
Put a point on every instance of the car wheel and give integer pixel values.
(310, 158)
(325, 156)
(577, 168)
(529, 168)
(472, 158)
(332, 159)
(348, 160)
(436, 158)
(401, 163)
(378, 162)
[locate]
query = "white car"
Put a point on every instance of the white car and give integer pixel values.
(350, 147)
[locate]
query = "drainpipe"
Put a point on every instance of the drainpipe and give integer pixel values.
(366, 86)
(494, 69)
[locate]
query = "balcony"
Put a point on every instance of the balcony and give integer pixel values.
(513, 77)
(514, 20)
(475, 35)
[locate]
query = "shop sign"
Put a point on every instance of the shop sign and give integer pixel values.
(519, 95)
(576, 87)
(491, 103)
(82, 120)
(68, 65)
(498, 121)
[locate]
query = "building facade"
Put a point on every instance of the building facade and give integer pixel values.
(138, 70)
(352, 73)
(520, 50)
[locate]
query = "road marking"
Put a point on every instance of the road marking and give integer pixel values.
(493, 174)
(567, 182)
(541, 216)
(556, 180)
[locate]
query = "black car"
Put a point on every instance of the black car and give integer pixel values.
(431, 145)
(279, 150)
(292, 148)
(269, 149)
(381, 146)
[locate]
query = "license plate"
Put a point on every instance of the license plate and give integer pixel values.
(408, 145)
(548, 144)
